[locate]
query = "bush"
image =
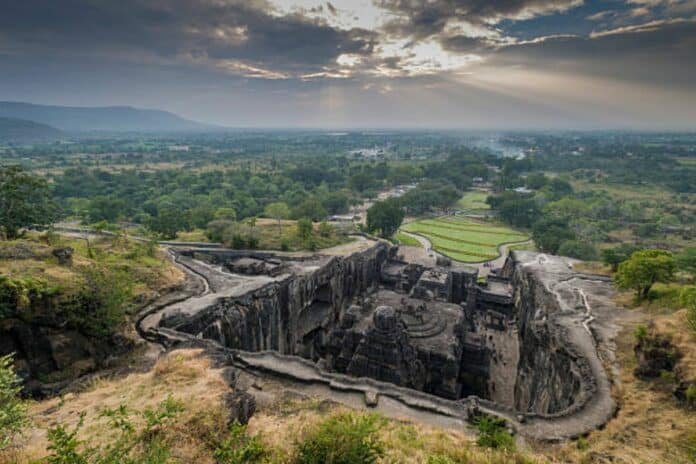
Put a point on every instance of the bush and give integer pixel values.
(21, 293)
(304, 228)
(579, 250)
(101, 304)
(440, 459)
(141, 445)
(687, 298)
(493, 434)
(346, 438)
(238, 242)
(13, 411)
(239, 448)
(641, 333)
(252, 242)
(325, 229)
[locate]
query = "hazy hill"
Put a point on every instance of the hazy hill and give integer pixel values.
(101, 119)
(23, 131)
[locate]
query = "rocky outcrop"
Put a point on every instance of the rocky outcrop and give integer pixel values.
(323, 317)
(655, 354)
(384, 353)
(47, 356)
(290, 313)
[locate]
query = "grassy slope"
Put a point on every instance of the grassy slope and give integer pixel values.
(31, 257)
(271, 236)
(651, 426)
(473, 199)
(406, 240)
(188, 376)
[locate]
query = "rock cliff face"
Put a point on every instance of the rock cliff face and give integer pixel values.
(547, 376)
(48, 356)
(557, 349)
(294, 313)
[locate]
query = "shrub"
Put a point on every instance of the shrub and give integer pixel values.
(64, 444)
(252, 242)
(346, 438)
(21, 293)
(440, 459)
(640, 332)
(304, 228)
(216, 230)
(578, 249)
(238, 242)
(144, 445)
(687, 297)
(690, 395)
(325, 229)
(13, 411)
(493, 434)
(101, 304)
(239, 448)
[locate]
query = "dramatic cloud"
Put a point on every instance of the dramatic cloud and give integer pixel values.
(243, 36)
(454, 63)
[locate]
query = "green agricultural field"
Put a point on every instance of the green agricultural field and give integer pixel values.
(406, 240)
(474, 199)
(464, 239)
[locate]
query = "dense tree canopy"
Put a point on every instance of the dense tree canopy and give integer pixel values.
(385, 217)
(25, 201)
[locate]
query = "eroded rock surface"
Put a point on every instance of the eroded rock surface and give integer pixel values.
(528, 343)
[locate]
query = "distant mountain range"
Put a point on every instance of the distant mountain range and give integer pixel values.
(22, 131)
(102, 119)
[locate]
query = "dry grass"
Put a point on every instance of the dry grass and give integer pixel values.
(592, 267)
(185, 374)
(150, 273)
(651, 426)
(285, 423)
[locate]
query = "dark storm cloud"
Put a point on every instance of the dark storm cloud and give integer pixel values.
(425, 18)
(660, 52)
(234, 30)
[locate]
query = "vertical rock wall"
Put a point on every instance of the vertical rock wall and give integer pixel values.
(294, 315)
(548, 375)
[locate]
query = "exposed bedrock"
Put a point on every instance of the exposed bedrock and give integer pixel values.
(530, 343)
(292, 313)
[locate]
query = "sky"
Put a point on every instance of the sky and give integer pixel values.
(460, 64)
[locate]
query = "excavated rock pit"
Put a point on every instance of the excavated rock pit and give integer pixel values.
(529, 344)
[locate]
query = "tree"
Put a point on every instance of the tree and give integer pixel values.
(168, 222)
(578, 249)
(103, 208)
(278, 210)
(686, 261)
(24, 201)
(228, 214)
(617, 255)
(310, 208)
(13, 411)
(385, 217)
(362, 181)
(643, 269)
(251, 222)
(687, 298)
(550, 233)
(305, 228)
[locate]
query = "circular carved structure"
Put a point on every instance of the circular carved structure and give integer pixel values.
(385, 319)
